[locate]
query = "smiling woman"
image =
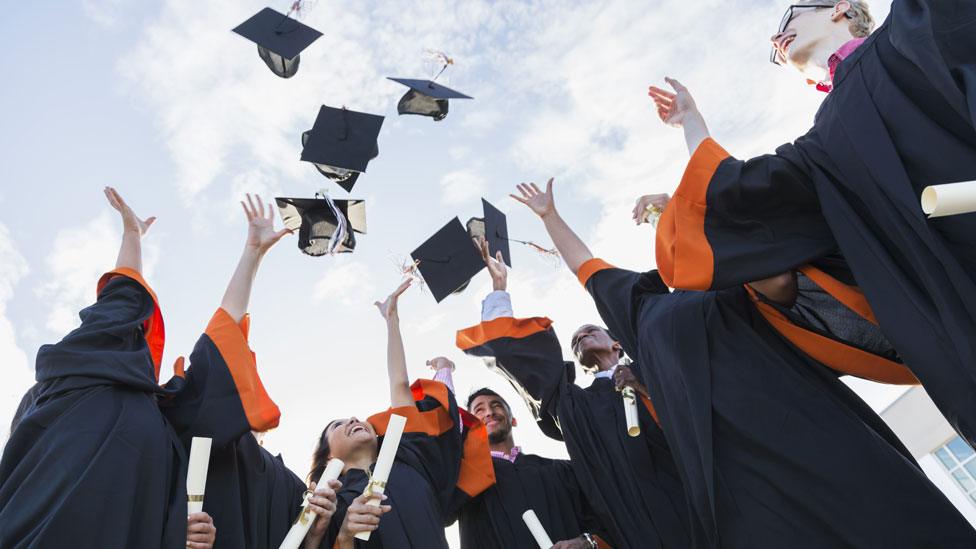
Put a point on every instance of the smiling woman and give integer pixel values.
(418, 502)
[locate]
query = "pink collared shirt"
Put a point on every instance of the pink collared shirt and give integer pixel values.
(835, 59)
(510, 456)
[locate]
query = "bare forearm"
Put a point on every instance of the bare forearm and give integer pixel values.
(572, 249)
(238, 293)
(130, 252)
(695, 130)
(396, 366)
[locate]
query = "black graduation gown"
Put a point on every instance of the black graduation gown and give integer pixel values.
(900, 117)
(773, 449)
(436, 466)
(493, 519)
(631, 483)
(251, 495)
(93, 462)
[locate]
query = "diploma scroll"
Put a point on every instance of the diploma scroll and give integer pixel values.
(630, 410)
(196, 473)
(538, 532)
(296, 535)
(384, 463)
(949, 199)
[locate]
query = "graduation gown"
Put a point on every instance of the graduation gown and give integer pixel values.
(93, 462)
(493, 519)
(437, 465)
(251, 495)
(773, 449)
(900, 117)
(631, 483)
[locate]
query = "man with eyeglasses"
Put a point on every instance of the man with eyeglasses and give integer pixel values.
(899, 117)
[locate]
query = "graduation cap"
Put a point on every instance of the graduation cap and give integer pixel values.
(341, 143)
(426, 98)
(324, 225)
(448, 260)
(493, 228)
(279, 38)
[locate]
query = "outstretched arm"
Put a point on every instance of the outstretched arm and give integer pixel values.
(396, 361)
(570, 246)
(130, 252)
(261, 236)
(678, 109)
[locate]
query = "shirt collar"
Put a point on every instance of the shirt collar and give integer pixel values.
(835, 60)
(606, 373)
(510, 457)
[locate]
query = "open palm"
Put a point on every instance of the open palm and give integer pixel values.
(130, 221)
(388, 308)
(542, 203)
(673, 108)
(261, 235)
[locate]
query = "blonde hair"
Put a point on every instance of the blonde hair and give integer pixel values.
(861, 23)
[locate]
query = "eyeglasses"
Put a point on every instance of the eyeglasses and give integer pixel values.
(774, 56)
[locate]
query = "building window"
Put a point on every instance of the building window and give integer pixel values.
(960, 461)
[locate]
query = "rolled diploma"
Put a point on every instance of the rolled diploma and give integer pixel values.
(630, 411)
(384, 462)
(949, 199)
(296, 535)
(538, 532)
(196, 473)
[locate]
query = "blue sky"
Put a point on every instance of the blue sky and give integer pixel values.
(162, 101)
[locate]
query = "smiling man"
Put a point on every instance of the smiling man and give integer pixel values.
(899, 117)
(631, 483)
(523, 481)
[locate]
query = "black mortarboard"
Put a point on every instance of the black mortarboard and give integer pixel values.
(448, 260)
(341, 143)
(426, 98)
(317, 223)
(493, 228)
(279, 38)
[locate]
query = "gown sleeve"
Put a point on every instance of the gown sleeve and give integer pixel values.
(939, 37)
(734, 221)
(121, 335)
(618, 294)
(222, 396)
(456, 463)
(527, 353)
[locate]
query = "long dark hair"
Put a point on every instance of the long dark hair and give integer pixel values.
(321, 455)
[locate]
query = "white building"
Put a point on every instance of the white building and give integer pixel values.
(945, 458)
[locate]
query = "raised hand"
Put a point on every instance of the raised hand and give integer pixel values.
(440, 363)
(496, 266)
(648, 203)
(673, 108)
(388, 308)
(261, 235)
(542, 203)
(131, 223)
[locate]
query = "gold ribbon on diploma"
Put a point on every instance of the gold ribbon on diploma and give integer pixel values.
(194, 498)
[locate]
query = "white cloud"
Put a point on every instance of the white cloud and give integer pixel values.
(18, 376)
(349, 283)
(105, 13)
(462, 186)
(78, 257)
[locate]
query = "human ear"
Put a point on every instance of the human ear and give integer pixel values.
(840, 11)
(514, 422)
